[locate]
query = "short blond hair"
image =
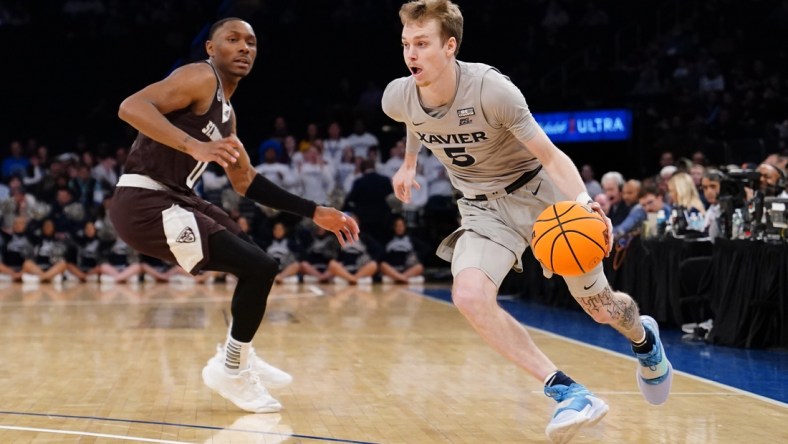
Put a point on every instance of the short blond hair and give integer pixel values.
(446, 13)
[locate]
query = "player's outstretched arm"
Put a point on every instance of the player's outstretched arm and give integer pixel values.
(565, 175)
(248, 182)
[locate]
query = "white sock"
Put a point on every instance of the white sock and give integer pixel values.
(642, 338)
(236, 356)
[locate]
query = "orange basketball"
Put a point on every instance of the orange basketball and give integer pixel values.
(569, 238)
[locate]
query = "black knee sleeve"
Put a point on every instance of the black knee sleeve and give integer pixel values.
(255, 271)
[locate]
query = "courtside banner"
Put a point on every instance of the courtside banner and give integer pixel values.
(587, 126)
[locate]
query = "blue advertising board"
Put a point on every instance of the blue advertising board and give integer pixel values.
(587, 126)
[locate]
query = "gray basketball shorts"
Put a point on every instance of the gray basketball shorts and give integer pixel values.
(494, 234)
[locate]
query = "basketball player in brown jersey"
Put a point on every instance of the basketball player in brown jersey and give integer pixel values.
(184, 122)
(477, 123)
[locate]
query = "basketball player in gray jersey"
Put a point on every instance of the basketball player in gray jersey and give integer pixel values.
(184, 122)
(478, 124)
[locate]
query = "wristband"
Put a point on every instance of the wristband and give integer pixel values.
(584, 198)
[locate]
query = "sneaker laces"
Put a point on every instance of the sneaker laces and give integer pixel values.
(252, 376)
(652, 358)
(561, 392)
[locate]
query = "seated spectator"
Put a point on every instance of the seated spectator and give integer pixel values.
(684, 196)
(67, 214)
(316, 177)
(259, 233)
(214, 183)
(357, 261)
(85, 189)
(120, 265)
(395, 161)
(88, 258)
(361, 140)
(603, 202)
(773, 179)
(696, 171)
(612, 185)
(653, 203)
(48, 261)
(15, 249)
(636, 216)
(104, 172)
(19, 203)
(284, 250)
(346, 167)
(662, 180)
(34, 173)
(15, 164)
(400, 261)
(322, 249)
(311, 137)
(275, 171)
(333, 145)
(710, 183)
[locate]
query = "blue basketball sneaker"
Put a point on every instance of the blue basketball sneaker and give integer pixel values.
(654, 374)
(577, 408)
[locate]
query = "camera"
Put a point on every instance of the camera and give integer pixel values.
(733, 197)
(776, 209)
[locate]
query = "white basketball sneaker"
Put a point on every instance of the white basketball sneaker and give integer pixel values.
(270, 376)
(244, 389)
(577, 408)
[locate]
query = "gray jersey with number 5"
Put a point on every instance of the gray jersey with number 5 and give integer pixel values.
(481, 139)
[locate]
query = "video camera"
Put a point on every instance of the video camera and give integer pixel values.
(776, 209)
(733, 196)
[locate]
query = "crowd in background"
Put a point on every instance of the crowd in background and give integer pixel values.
(706, 91)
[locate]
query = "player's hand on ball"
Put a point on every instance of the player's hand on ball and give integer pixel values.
(598, 208)
(343, 226)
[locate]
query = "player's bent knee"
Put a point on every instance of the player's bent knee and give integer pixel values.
(266, 266)
(589, 284)
(468, 298)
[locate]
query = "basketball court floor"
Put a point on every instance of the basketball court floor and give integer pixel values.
(86, 363)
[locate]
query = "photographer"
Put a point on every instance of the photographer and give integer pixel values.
(710, 184)
(772, 180)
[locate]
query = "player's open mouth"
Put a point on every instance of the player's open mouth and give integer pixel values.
(415, 71)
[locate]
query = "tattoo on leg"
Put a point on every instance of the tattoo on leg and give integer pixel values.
(600, 301)
(627, 320)
(621, 312)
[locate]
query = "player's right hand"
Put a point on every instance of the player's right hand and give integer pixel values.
(403, 181)
(343, 226)
(222, 151)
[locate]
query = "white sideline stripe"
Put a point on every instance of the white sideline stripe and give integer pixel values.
(98, 435)
(632, 358)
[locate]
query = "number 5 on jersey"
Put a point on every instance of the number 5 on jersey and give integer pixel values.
(459, 157)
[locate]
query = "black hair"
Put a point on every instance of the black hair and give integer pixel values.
(219, 24)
